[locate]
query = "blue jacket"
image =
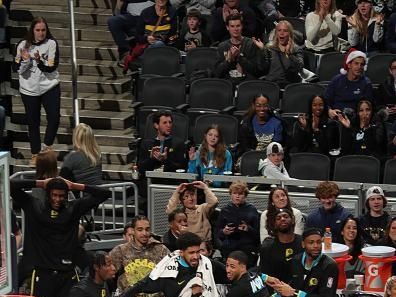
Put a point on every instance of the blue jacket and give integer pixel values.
(319, 218)
(342, 93)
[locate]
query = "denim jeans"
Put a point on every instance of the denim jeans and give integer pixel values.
(120, 27)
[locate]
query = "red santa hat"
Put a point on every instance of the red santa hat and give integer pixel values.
(350, 56)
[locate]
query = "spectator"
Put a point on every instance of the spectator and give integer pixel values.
(36, 61)
(315, 132)
(135, 259)
(366, 28)
(278, 198)
(219, 19)
(259, 126)
(312, 273)
(387, 96)
(124, 24)
(346, 88)
(391, 34)
(245, 283)
(54, 228)
(205, 7)
(237, 56)
(177, 225)
(156, 27)
(127, 234)
(193, 36)
(392, 140)
(219, 269)
(322, 27)
(182, 273)
(101, 269)
(375, 220)
(165, 149)
(273, 166)
(238, 224)
(84, 163)
(3, 25)
(197, 215)
(351, 236)
(366, 134)
(390, 239)
(390, 287)
(276, 252)
(330, 214)
(286, 60)
(212, 156)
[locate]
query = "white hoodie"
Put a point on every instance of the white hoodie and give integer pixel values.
(270, 170)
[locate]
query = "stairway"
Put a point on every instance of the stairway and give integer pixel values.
(104, 92)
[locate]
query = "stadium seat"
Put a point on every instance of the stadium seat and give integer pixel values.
(250, 161)
(227, 123)
(200, 58)
(163, 92)
(377, 67)
(390, 172)
(297, 96)
(179, 128)
(248, 89)
(310, 166)
(357, 168)
(330, 65)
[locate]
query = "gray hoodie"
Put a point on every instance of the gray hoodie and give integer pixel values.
(270, 170)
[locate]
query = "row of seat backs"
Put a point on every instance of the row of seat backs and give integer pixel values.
(312, 166)
(165, 61)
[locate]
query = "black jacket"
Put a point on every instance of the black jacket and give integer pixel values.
(88, 288)
(175, 159)
(55, 233)
(373, 228)
(249, 285)
(320, 281)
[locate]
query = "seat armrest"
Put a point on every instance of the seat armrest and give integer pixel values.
(228, 109)
(182, 107)
(136, 104)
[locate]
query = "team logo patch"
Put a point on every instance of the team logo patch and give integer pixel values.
(313, 282)
(330, 282)
(288, 252)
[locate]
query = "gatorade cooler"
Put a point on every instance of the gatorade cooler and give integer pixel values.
(378, 266)
(339, 252)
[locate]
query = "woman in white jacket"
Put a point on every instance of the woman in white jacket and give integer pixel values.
(36, 61)
(322, 27)
(278, 198)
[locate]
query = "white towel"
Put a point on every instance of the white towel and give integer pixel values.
(169, 267)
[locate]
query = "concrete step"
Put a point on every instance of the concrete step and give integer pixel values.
(110, 154)
(55, 14)
(78, 3)
(89, 84)
(114, 172)
(97, 119)
(61, 31)
(92, 101)
(120, 138)
(92, 67)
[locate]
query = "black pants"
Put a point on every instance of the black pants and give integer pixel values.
(51, 103)
(52, 283)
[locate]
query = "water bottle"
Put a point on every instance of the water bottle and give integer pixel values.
(135, 172)
(327, 239)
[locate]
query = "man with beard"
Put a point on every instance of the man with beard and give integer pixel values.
(182, 273)
(276, 252)
(312, 273)
(135, 259)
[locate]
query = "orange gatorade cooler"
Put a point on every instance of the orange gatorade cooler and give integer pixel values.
(339, 252)
(378, 266)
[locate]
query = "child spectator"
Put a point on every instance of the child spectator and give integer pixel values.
(273, 166)
(194, 36)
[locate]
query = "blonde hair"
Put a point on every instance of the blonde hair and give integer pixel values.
(275, 41)
(361, 24)
(390, 283)
(332, 9)
(239, 187)
(85, 142)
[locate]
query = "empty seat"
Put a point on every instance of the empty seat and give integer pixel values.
(330, 65)
(200, 58)
(297, 96)
(377, 67)
(310, 166)
(250, 161)
(357, 168)
(390, 172)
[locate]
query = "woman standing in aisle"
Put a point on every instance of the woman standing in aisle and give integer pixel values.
(36, 61)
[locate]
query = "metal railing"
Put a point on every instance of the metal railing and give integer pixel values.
(73, 55)
(107, 226)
